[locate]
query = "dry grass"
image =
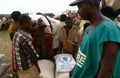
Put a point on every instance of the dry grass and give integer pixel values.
(5, 47)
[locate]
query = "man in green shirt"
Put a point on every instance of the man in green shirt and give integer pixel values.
(99, 52)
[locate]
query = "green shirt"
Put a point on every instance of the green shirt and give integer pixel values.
(91, 50)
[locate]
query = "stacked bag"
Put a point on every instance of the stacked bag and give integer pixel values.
(3, 68)
(64, 63)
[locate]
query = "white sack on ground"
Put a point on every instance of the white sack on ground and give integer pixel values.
(47, 68)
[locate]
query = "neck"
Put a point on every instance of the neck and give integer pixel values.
(97, 18)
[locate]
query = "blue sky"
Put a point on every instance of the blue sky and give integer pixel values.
(33, 6)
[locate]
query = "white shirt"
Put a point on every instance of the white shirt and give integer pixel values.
(56, 30)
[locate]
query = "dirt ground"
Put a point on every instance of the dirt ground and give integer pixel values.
(5, 47)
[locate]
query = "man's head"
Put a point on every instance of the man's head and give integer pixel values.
(87, 8)
(109, 12)
(25, 22)
(68, 21)
(63, 17)
(15, 15)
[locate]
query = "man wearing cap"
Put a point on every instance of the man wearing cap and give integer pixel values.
(99, 53)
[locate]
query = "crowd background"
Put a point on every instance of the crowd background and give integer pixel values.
(5, 21)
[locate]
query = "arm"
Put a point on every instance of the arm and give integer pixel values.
(108, 59)
(60, 47)
(75, 48)
(11, 36)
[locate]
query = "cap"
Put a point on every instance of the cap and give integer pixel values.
(79, 1)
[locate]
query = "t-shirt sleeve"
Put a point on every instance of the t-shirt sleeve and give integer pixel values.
(110, 33)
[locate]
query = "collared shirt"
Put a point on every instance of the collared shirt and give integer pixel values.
(24, 53)
(68, 41)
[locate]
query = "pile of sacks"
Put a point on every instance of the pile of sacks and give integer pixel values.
(64, 63)
(3, 68)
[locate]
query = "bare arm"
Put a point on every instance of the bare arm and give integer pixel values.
(108, 59)
(11, 36)
(60, 47)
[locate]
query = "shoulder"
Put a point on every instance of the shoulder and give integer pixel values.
(109, 25)
(108, 31)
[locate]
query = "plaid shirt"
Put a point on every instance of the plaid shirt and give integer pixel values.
(24, 53)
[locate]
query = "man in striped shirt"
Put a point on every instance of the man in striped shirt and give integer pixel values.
(25, 56)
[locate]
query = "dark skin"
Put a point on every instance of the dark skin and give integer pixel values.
(108, 59)
(26, 25)
(36, 25)
(11, 36)
(60, 47)
(89, 11)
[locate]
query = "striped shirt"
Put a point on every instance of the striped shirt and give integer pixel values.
(24, 53)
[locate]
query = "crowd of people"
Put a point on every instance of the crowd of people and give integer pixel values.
(94, 45)
(4, 22)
